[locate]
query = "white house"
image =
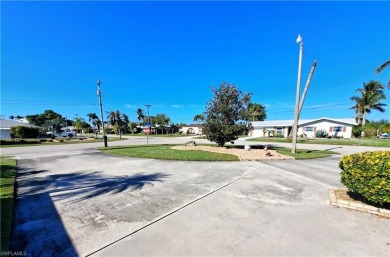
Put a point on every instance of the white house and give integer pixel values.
(192, 129)
(306, 128)
(5, 126)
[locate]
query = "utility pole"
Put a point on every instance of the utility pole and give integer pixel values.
(99, 93)
(147, 135)
(313, 67)
(295, 125)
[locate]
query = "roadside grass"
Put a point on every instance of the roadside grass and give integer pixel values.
(376, 142)
(48, 141)
(301, 154)
(154, 135)
(304, 154)
(7, 182)
(164, 152)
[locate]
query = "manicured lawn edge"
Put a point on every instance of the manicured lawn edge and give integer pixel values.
(305, 154)
(7, 187)
(164, 152)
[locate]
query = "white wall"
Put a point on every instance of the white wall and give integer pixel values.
(325, 125)
(198, 131)
(258, 131)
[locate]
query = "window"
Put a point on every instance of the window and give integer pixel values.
(309, 129)
(279, 131)
(337, 129)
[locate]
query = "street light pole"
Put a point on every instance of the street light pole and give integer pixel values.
(99, 94)
(147, 135)
(296, 116)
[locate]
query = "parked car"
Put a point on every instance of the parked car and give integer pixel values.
(64, 133)
(385, 136)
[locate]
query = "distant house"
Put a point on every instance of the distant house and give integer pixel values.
(307, 128)
(5, 126)
(191, 129)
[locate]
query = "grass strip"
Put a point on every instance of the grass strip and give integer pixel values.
(375, 142)
(7, 182)
(164, 152)
(304, 154)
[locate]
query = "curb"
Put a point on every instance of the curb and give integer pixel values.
(357, 206)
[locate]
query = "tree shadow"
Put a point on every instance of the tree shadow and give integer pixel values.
(82, 185)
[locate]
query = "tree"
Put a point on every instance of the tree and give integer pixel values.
(162, 120)
(140, 115)
(254, 112)
(40, 119)
(118, 121)
(199, 118)
(381, 68)
(223, 112)
(94, 120)
(370, 99)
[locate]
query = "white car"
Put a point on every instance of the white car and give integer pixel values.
(66, 133)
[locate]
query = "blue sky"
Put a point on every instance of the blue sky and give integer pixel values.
(168, 54)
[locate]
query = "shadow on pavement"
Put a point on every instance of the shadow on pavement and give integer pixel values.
(38, 228)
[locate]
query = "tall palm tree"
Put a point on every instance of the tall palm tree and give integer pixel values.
(140, 115)
(370, 99)
(256, 111)
(118, 120)
(94, 119)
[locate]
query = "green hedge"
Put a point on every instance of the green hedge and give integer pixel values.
(368, 174)
(24, 132)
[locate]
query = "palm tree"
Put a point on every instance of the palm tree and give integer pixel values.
(199, 118)
(381, 68)
(370, 99)
(94, 119)
(256, 112)
(118, 120)
(140, 115)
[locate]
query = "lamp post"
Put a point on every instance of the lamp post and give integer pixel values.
(99, 94)
(147, 135)
(295, 125)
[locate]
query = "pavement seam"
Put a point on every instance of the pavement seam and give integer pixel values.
(175, 210)
(301, 176)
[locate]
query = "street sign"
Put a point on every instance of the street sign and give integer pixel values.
(147, 125)
(147, 131)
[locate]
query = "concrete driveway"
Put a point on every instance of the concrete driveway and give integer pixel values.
(84, 203)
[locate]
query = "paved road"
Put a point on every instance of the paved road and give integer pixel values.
(75, 201)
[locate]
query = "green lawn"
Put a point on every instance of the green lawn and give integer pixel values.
(7, 181)
(166, 153)
(305, 154)
(158, 135)
(333, 141)
(46, 141)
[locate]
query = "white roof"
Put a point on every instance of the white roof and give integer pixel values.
(6, 124)
(289, 123)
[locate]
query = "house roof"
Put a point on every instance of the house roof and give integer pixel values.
(289, 123)
(6, 124)
(193, 126)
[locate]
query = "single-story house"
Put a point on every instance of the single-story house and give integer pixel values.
(306, 127)
(191, 129)
(5, 126)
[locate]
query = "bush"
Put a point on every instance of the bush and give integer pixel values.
(322, 133)
(24, 132)
(368, 174)
(357, 131)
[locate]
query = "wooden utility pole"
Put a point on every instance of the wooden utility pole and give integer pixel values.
(313, 67)
(99, 93)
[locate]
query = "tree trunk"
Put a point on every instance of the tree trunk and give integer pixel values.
(363, 123)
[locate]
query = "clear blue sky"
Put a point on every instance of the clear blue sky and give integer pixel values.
(168, 54)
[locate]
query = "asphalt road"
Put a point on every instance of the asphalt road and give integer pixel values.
(75, 201)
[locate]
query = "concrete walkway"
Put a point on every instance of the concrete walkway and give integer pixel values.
(80, 202)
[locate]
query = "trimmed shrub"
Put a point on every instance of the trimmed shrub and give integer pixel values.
(368, 175)
(322, 133)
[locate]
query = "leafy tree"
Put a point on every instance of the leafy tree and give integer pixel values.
(223, 112)
(370, 99)
(199, 118)
(40, 119)
(162, 120)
